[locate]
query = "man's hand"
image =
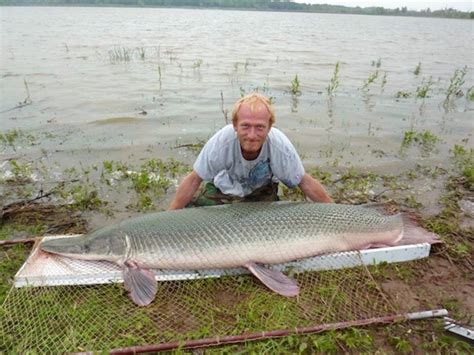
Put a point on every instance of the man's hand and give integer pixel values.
(314, 190)
(185, 191)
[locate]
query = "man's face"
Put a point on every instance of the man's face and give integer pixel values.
(252, 128)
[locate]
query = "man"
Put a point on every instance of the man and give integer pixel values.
(244, 161)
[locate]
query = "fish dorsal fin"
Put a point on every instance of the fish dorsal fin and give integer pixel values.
(274, 280)
(140, 283)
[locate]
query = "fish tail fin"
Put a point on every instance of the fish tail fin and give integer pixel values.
(413, 233)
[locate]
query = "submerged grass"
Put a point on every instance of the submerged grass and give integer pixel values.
(455, 83)
(334, 83)
(424, 89)
(295, 86)
(371, 79)
(426, 141)
(14, 137)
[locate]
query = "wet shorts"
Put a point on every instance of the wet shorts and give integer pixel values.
(209, 195)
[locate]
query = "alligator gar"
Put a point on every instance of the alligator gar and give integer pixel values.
(237, 235)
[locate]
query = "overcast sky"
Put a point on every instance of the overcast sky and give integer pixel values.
(389, 4)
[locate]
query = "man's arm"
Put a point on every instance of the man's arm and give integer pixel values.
(185, 191)
(313, 189)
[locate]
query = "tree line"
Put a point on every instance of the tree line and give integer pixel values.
(269, 5)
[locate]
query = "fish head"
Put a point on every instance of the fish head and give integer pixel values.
(84, 248)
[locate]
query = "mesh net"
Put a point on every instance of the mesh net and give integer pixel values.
(102, 317)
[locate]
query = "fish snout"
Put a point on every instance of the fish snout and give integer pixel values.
(64, 246)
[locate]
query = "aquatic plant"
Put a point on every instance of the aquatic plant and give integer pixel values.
(377, 63)
(425, 140)
(464, 162)
(11, 138)
(402, 94)
(224, 110)
(159, 75)
(295, 86)
(384, 81)
(470, 94)
(334, 83)
(197, 64)
(264, 89)
(417, 70)
(455, 83)
(120, 54)
(141, 52)
(372, 77)
(423, 90)
(84, 198)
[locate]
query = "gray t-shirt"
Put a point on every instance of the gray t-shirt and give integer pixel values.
(221, 162)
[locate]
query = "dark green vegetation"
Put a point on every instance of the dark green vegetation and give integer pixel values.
(262, 5)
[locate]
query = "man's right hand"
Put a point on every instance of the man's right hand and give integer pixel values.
(185, 191)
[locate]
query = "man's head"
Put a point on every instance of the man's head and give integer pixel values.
(252, 118)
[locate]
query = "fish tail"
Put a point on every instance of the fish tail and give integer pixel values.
(413, 233)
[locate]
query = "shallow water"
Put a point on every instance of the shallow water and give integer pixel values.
(88, 105)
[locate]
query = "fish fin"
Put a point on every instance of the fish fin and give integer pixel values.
(274, 280)
(414, 234)
(140, 284)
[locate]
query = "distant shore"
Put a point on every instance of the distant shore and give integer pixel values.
(250, 6)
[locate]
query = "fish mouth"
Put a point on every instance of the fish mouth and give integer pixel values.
(66, 247)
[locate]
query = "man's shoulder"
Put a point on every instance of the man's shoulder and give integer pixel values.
(276, 133)
(279, 141)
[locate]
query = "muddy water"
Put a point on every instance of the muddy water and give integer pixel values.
(126, 83)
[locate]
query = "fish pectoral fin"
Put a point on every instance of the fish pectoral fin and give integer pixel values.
(140, 284)
(275, 280)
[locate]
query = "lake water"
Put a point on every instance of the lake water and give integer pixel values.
(89, 103)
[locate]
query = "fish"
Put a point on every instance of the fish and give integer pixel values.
(253, 235)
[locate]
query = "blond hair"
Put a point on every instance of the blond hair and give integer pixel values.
(253, 99)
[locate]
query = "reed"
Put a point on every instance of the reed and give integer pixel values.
(455, 83)
(334, 83)
(295, 86)
(120, 54)
(141, 52)
(372, 77)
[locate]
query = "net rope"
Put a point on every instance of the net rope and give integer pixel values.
(102, 317)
